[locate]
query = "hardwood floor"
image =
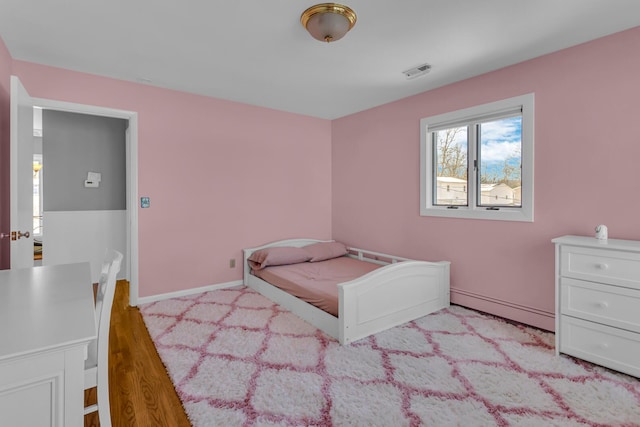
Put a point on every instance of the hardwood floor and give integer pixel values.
(141, 392)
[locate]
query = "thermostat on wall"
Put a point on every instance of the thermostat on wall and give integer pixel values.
(93, 180)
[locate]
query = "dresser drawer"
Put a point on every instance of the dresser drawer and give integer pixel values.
(601, 265)
(611, 347)
(611, 305)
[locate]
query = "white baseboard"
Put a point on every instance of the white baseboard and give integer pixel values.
(520, 313)
(185, 292)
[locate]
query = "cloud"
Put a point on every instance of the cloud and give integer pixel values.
(499, 151)
(501, 139)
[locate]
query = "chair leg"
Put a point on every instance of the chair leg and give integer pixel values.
(104, 408)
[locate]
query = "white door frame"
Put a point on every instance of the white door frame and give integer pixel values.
(132, 177)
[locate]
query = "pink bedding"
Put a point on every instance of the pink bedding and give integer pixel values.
(316, 282)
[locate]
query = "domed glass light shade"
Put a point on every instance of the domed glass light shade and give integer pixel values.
(328, 22)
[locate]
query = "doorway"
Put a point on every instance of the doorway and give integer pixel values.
(130, 217)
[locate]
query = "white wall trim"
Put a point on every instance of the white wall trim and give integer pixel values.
(76, 236)
(186, 292)
(132, 177)
(507, 309)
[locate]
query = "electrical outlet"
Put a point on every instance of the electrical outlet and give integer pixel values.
(232, 263)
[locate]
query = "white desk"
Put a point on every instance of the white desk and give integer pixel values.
(46, 322)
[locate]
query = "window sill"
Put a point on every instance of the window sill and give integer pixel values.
(504, 214)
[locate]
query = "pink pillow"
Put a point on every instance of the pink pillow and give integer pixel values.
(277, 256)
(325, 250)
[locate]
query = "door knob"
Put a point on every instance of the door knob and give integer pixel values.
(15, 235)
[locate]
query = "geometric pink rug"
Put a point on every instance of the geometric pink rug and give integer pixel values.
(237, 359)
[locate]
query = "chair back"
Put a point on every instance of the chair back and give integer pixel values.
(104, 303)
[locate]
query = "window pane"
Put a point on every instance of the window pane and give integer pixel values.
(37, 194)
(500, 162)
(451, 146)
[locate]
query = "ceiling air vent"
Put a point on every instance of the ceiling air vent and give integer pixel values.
(418, 71)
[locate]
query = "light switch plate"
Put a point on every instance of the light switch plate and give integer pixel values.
(145, 202)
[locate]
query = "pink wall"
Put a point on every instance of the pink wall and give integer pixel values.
(587, 104)
(221, 175)
(5, 73)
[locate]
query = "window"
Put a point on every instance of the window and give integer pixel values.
(478, 162)
(37, 194)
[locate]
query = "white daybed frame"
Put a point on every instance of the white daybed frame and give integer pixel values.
(386, 297)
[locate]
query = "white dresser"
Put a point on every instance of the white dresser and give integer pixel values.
(598, 301)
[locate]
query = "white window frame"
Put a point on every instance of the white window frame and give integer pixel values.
(463, 117)
(37, 232)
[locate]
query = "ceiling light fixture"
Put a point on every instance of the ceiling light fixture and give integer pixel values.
(328, 22)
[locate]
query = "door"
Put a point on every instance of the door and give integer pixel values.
(21, 176)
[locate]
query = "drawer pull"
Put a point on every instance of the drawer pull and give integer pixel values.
(602, 266)
(602, 304)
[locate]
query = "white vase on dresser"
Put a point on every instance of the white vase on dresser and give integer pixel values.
(598, 301)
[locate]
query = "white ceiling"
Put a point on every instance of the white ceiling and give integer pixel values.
(256, 51)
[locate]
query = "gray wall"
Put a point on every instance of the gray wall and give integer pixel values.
(75, 144)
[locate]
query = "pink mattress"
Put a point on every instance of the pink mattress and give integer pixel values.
(316, 282)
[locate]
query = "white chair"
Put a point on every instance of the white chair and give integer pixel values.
(96, 367)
